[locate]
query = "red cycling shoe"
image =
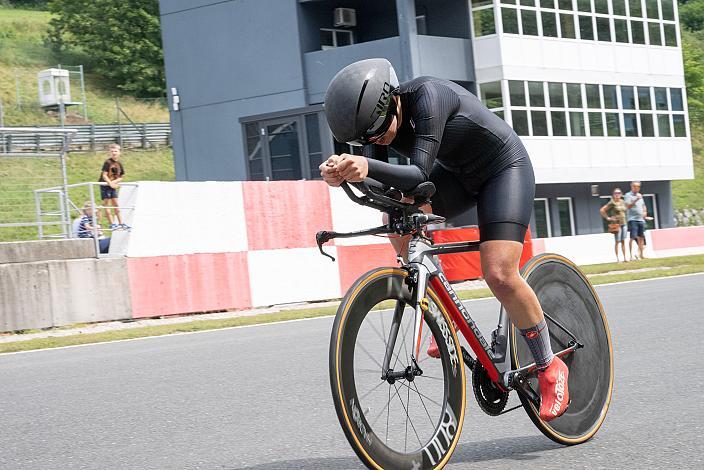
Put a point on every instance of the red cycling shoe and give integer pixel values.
(554, 394)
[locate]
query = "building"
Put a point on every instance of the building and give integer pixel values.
(594, 87)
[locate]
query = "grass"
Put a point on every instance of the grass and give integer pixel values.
(19, 176)
(676, 266)
(23, 53)
(690, 193)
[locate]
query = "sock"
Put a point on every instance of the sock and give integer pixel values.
(538, 339)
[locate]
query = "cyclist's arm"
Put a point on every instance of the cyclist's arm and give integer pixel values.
(432, 108)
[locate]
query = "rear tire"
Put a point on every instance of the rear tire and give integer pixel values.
(566, 294)
(433, 437)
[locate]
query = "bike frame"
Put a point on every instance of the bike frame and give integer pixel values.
(495, 359)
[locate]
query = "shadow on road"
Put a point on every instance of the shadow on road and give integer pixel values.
(509, 448)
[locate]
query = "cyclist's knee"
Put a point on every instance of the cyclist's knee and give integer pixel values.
(502, 280)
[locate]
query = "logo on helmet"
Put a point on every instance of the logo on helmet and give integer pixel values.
(383, 103)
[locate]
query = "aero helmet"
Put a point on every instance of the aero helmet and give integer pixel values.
(358, 99)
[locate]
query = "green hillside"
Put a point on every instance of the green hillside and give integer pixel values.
(23, 53)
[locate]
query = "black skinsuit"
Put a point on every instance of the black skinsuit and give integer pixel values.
(471, 155)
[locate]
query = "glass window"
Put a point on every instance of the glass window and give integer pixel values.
(540, 123)
(613, 128)
(559, 123)
(628, 100)
(593, 98)
(480, 3)
(630, 124)
(254, 152)
(637, 32)
(567, 25)
(484, 22)
(574, 95)
(670, 35)
(621, 30)
(577, 124)
(499, 113)
(601, 6)
(663, 125)
(520, 121)
(549, 20)
(584, 5)
(654, 33)
(491, 94)
(557, 96)
(512, 2)
(586, 31)
(284, 150)
(619, 7)
(517, 93)
(668, 13)
(565, 4)
(678, 125)
(529, 22)
(603, 29)
(509, 19)
(315, 154)
(547, 4)
(646, 125)
(528, 3)
(541, 218)
(651, 8)
(596, 124)
(661, 98)
(610, 97)
(649, 200)
(676, 99)
(536, 94)
(564, 209)
(634, 8)
(644, 98)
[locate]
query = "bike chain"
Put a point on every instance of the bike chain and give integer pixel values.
(490, 399)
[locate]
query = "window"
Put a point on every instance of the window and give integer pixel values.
(670, 35)
(540, 123)
(483, 18)
(661, 99)
(646, 125)
(584, 5)
(566, 215)
(652, 207)
(577, 124)
(654, 33)
(651, 8)
(601, 6)
(549, 20)
(621, 30)
(668, 12)
(628, 101)
(610, 96)
(565, 4)
(664, 125)
(517, 93)
(644, 98)
(330, 38)
(541, 218)
(637, 32)
(619, 7)
(315, 152)
(559, 123)
(557, 96)
(574, 95)
(586, 31)
(678, 125)
(491, 94)
(421, 25)
(535, 92)
(676, 99)
(613, 128)
(529, 22)
(596, 124)
(634, 8)
(593, 98)
(509, 19)
(630, 124)
(603, 29)
(254, 152)
(520, 121)
(567, 26)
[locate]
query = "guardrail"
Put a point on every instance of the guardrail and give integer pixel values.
(87, 137)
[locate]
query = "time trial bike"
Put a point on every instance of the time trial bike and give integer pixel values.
(399, 407)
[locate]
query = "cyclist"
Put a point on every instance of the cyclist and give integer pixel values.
(473, 157)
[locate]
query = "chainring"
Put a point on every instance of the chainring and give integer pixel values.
(490, 399)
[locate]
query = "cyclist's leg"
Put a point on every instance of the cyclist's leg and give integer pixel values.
(505, 203)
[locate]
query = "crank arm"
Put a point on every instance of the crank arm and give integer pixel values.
(520, 384)
(526, 370)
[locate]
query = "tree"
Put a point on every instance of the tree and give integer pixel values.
(120, 38)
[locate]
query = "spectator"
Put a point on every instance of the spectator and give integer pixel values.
(636, 212)
(615, 213)
(112, 174)
(86, 229)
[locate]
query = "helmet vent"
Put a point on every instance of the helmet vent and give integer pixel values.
(361, 94)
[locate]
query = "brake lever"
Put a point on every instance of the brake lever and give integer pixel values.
(323, 237)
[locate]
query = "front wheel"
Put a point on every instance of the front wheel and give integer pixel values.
(413, 422)
(565, 293)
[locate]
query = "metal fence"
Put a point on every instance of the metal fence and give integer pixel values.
(86, 137)
(24, 170)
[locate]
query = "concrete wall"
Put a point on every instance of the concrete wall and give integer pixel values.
(22, 252)
(62, 292)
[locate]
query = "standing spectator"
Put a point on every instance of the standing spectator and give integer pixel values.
(112, 174)
(615, 213)
(86, 229)
(636, 212)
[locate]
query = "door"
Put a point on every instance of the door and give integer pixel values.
(283, 148)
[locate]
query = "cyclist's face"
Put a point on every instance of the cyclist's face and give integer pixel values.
(387, 137)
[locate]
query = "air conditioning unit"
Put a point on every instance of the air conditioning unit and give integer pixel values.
(346, 17)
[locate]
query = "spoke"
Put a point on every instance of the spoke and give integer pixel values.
(430, 377)
(408, 399)
(420, 395)
(383, 340)
(388, 410)
(382, 410)
(411, 421)
(370, 356)
(383, 329)
(370, 391)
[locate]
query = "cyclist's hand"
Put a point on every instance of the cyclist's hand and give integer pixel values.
(328, 170)
(353, 168)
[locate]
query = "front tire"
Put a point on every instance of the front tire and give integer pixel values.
(357, 349)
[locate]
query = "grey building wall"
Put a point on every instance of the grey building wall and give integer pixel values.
(227, 59)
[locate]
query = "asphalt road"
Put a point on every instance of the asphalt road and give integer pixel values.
(259, 398)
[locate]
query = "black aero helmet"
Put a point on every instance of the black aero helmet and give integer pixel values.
(357, 102)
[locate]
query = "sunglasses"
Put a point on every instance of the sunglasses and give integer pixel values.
(378, 128)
